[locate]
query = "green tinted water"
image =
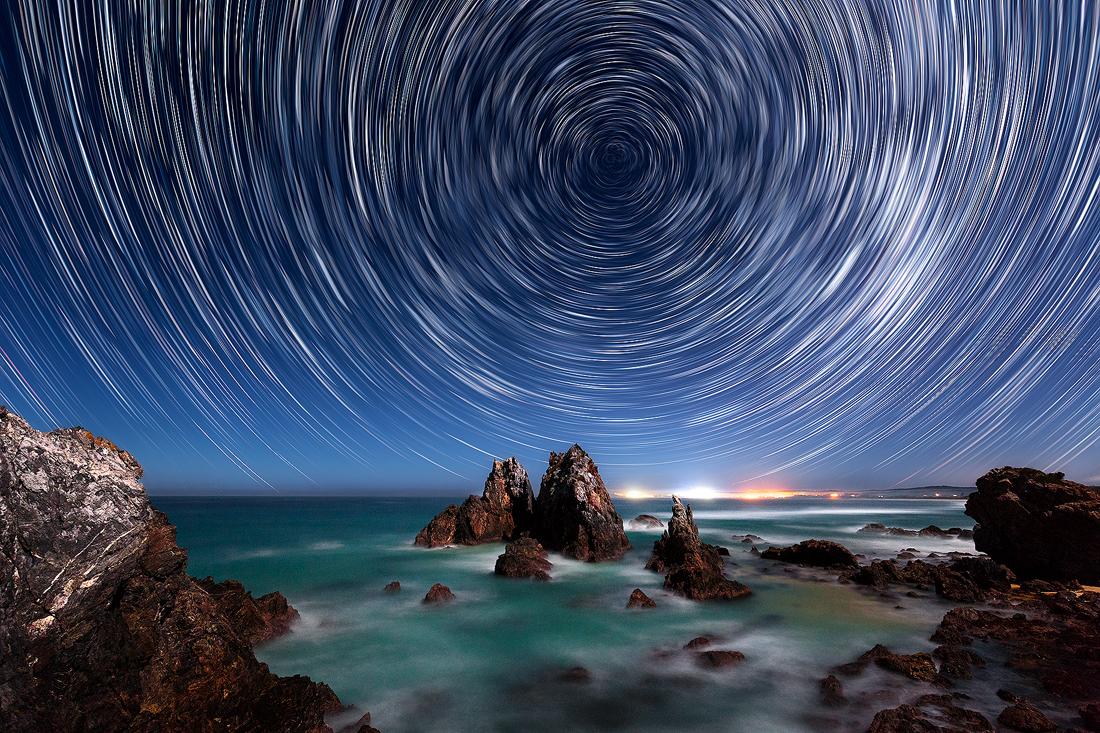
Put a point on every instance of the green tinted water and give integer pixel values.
(491, 660)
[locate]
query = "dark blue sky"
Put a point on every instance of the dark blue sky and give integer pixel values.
(368, 247)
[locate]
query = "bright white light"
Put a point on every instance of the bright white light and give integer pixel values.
(697, 492)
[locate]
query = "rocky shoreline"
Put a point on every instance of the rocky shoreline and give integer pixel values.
(101, 628)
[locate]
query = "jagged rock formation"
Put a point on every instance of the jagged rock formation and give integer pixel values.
(694, 569)
(524, 558)
(819, 553)
(639, 599)
(256, 619)
(575, 515)
(505, 510)
(1038, 524)
(967, 579)
(101, 629)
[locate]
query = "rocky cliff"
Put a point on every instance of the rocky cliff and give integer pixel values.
(1038, 524)
(504, 511)
(575, 515)
(101, 628)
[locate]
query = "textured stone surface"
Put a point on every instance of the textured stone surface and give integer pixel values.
(505, 510)
(575, 515)
(524, 558)
(100, 626)
(1038, 524)
(693, 568)
(820, 553)
(638, 599)
(438, 593)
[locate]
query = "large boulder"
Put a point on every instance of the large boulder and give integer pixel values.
(1038, 524)
(693, 568)
(504, 511)
(524, 558)
(100, 626)
(820, 553)
(575, 515)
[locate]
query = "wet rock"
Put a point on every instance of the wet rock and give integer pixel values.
(1038, 524)
(575, 515)
(932, 531)
(257, 619)
(927, 715)
(504, 511)
(819, 553)
(957, 662)
(577, 676)
(101, 628)
(438, 593)
(720, 658)
(985, 573)
(1027, 718)
(876, 528)
(697, 643)
(917, 666)
(694, 569)
(524, 558)
(748, 538)
(1090, 715)
(647, 521)
(832, 692)
(638, 599)
(392, 587)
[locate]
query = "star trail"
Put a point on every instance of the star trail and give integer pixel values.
(313, 246)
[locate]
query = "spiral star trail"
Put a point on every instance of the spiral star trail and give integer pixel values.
(368, 245)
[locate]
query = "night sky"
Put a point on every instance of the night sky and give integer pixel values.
(336, 246)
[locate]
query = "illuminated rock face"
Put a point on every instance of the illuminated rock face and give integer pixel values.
(1038, 524)
(100, 626)
(575, 515)
(504, 511)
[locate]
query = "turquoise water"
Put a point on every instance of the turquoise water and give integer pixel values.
(491, 660)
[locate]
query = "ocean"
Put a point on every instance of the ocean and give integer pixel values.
(493, 660)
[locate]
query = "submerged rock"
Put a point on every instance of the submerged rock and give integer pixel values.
(575, 515)
(694, 569)
(638, 599)
(720, 658)
(1038, 524)
(438, 593)
(100, 626)
(524, 558)
(819, 553)
(647, 521)
(505, 510)
(392, 587)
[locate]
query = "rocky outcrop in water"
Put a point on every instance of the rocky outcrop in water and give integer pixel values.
(438, 593)
(524, 558)
(1038, 524)
(638, 599)
(256, 619)
(575, 515)
(101, 629)
(693, 568)
(505, 509)
(818, 553)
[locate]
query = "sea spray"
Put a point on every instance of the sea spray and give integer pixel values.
(497, 657)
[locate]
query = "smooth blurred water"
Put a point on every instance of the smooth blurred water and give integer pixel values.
(491, 660)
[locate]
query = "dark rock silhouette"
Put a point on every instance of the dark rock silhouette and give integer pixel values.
(505, 510)
(638, 599)
(1038, 524)
(524, 558)
(100, 626)
(392, 587)
(575, 515)
(820, 553)
(831, 692)
(694, 569)
(1024, 716)
(720, 658)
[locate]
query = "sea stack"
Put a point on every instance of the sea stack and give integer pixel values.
(100, 626)
(575, 513)
(504, 511)
(1038, 524)
(694, 568)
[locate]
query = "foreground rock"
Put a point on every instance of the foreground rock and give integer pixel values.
(819, 553)
(524, 558)
(693, 568)
(1038, 524)
(575, 515)
(505, 510)
(966, 580)
(100, 626)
